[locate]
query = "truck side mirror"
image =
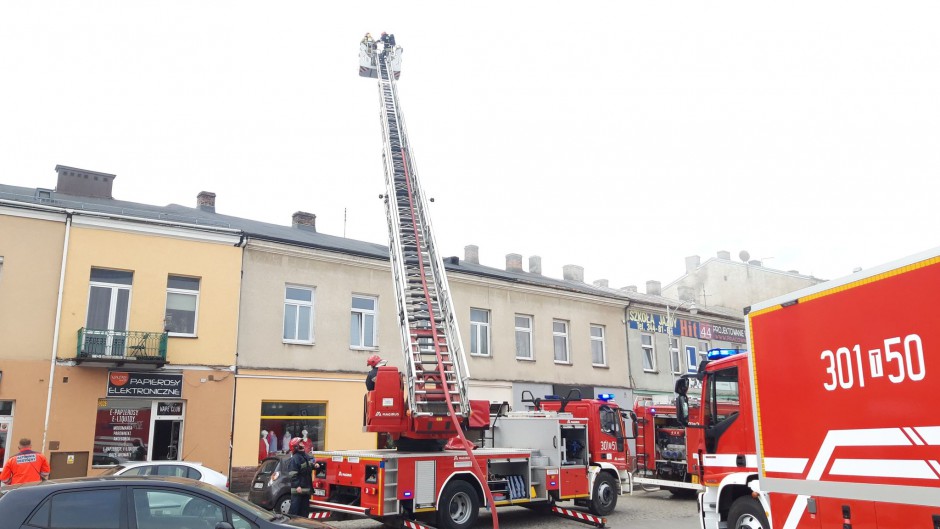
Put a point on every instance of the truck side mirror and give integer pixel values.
(682, 410)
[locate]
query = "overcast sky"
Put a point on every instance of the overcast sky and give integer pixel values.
(619, 136)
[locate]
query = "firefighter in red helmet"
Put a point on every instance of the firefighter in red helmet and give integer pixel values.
(300, 471)
(374, 362)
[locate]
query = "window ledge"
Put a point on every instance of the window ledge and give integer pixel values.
(650, 371)
(177, 335)
(601, 366)
(294, 342)
(479, 355)
(524, 359)
(562, 363)
(361, 348)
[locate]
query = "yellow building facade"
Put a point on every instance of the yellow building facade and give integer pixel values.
(133, 358)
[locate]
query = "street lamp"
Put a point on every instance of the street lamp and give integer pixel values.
(671, 314)
(674, 356)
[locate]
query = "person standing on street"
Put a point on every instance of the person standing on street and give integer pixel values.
(300, 471)
(26, 466)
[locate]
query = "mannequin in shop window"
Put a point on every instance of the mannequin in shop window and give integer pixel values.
(307, 442)
(285, 441)
(263, 447)
(272, 443)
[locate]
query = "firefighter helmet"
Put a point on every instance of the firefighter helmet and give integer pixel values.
(294, 443)
(373, 360)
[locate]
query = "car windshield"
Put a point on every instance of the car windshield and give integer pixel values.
(113, 470)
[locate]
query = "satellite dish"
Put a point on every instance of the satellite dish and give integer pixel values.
(744, 256)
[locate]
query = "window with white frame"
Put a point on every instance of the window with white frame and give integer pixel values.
(362, 322)
(598, 347)
(649, 356)
(702, 353)
(560, 340)
(298, 314)
(523, 337)
(182, 305)
(480, 332)
(675, 360)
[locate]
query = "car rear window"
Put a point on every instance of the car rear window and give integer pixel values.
(268, 466)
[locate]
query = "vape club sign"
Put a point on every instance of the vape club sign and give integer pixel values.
(163, 385)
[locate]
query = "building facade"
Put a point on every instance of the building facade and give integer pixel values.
(141, 349)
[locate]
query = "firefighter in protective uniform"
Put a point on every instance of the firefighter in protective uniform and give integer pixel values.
(374, 361)
(300, 471)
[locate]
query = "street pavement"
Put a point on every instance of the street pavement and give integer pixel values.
(642, 510)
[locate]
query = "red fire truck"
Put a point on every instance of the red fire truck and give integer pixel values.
(828, 422)
(661, 450)
(564, 449)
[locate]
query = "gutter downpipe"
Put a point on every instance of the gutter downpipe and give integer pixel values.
(242, 243)
(626, 332)
(58, 320)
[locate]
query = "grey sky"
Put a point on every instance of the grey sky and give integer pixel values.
(620, 136)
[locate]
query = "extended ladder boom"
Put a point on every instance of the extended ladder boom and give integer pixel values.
(434, 357)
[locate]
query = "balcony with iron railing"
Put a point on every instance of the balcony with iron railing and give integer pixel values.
(112, 347)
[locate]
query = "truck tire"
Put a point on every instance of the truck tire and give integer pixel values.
(747, 513)
(604, 496)
(459, 506)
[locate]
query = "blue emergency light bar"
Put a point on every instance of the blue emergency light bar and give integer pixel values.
(718, 354)
(606, 397)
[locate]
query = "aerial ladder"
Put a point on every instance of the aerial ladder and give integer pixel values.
(435, 374)
(435, 377)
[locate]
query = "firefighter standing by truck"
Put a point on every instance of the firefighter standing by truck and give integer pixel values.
(300, 471)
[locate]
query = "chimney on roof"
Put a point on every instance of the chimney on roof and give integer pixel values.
(654, 288)
(471, 254)
(573, 273)
(603, 283)
(535, 265)
(304, 221)
(84, 183)
(205, 201)
(629, 288)
(691, 263)
(513, 262)
(724, 254)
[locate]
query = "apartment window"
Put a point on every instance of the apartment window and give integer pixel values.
(560, 339)
(298, 314)
(480, 332)
(362, 322)
(523, 337)
(675, 360)
(649, 357)
(109, 305)
(696, 359)
(182, 305)
(598, 348)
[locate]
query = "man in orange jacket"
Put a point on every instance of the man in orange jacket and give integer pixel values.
(26, 466)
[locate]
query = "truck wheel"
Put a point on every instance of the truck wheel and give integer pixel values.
(747, 513)
(459, 506)
(604, 498)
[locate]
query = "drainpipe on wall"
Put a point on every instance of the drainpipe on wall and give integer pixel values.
(242, 243)
(626, 332)
(58, 319)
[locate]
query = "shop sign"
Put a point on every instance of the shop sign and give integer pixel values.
(169, 408)
(125, 384)
(121, 433)
(722, 332)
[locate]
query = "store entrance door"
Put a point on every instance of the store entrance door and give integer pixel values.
(166, 440)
